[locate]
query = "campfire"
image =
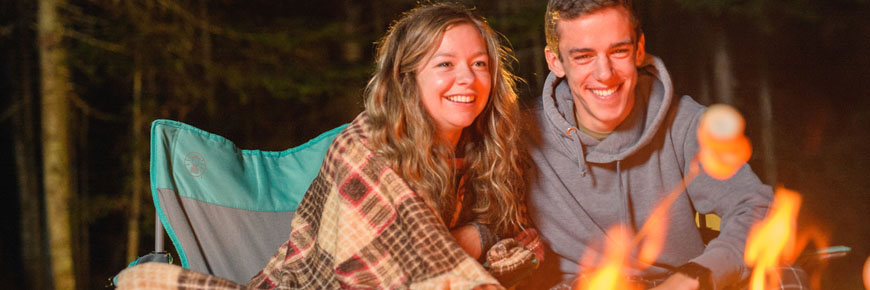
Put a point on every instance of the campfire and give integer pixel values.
(772, 242)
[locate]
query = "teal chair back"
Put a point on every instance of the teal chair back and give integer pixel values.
(227, 210)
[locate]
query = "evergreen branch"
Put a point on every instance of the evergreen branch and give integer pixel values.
(93, 112)
(113, 47)
(199, 23)
(10, 111)
(6, 30)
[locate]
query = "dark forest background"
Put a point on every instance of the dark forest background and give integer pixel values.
(82, 80)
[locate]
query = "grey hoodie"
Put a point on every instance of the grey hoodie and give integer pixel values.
(584, 186)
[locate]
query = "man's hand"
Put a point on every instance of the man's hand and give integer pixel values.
(678, 281)
(469, 240)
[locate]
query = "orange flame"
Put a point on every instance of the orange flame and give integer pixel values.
(772, 241)
(813, 233)
(651, 237)
(610, 274)
(867, 274)
(723, 147)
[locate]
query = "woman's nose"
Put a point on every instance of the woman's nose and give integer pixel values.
(464, 75)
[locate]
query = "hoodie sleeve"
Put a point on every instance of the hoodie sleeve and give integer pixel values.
(740, 201)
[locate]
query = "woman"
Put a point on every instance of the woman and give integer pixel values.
(441, 92)
(419, 186)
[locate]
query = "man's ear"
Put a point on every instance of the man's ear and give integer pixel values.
(554, 63)
(640, 52)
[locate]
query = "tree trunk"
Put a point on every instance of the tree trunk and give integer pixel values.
(540, 66)
(57, 173)
(81, 218)
(351, 46)
(211, 104)
(377, 17)
(704, 90)
(765, 107)
(23, 130)
(722, 70)
(138, 178)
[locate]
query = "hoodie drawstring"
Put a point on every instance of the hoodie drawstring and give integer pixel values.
(581, 162)
(626, 211)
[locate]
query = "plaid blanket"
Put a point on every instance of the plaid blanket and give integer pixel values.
(361, 226)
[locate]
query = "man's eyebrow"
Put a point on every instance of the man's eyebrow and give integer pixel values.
(618, 44)
(585, 50)
(580, 50)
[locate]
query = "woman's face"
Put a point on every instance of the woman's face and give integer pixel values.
(455, 81)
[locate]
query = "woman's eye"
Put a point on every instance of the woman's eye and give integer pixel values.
(444, 64)
(480, 63)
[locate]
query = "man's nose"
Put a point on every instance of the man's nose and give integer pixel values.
(603, 69)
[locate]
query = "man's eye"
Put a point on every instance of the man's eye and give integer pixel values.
(583, 58)
(621, 52)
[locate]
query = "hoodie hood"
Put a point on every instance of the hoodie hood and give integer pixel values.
(653, 93)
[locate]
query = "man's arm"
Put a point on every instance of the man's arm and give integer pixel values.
(740, 201)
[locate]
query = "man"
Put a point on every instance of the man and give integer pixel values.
(611, 141)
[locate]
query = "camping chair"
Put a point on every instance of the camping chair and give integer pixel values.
(227, 210)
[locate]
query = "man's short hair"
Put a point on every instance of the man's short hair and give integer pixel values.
(570, 9)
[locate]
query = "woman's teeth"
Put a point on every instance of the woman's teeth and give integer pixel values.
(461, 99)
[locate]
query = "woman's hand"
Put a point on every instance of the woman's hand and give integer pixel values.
(469, 240)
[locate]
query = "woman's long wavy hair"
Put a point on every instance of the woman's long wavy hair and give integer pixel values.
(404, 133)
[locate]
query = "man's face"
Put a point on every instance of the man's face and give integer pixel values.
(599, 61)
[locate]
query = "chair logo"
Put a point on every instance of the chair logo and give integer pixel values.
(195, 164)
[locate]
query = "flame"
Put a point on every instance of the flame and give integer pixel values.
(867, 274)
(723, 147)
(610, 274)
(651, 237)
(772, 241)
(819, 237)
(653, 234)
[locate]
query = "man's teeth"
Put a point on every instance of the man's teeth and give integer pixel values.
(461, 99)
(604, 92)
